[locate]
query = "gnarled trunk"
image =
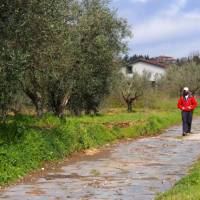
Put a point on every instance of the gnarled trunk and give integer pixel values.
(130, 106)
(58, 103)
(130, 100)
(36, 100)
(61, 106)
(39, 108)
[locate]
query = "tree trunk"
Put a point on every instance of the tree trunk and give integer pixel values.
(59, 110)
(59, 104)
(130, 106)
(39, 108)
(36, 100)
(87, 112)
(76, 112)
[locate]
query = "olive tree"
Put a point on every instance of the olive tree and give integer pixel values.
(99, 43)
(133, 88)
(36, 30)
(60, 52)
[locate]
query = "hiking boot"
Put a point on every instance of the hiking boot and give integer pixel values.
(184, 134)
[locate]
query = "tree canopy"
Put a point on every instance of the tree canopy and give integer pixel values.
(59, 53)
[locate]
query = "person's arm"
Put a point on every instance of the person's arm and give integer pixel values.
(194, 103)
(180, 104)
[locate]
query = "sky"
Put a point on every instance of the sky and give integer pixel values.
(161, 27)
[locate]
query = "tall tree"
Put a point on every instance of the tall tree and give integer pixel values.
(61, 50)
(99, 44)
(36, 30)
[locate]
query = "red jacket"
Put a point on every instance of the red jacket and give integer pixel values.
(187, 105)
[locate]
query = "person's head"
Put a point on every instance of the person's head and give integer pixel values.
(185, 91)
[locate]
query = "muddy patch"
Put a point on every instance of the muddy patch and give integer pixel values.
(36, 192)
(63, 176)
(123, 124)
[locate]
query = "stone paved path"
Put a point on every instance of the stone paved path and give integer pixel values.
(135, 170)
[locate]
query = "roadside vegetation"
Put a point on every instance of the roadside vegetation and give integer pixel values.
(185, 189)
(26, 142)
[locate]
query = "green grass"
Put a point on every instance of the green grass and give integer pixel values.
(187, 188)
(26, 142)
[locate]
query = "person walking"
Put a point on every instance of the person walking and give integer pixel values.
(187, 103)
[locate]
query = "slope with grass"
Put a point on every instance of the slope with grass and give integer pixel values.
(26, 142)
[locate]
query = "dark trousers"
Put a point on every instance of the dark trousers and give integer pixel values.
(187, 121)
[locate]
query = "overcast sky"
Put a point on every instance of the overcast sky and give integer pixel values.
(162, 27)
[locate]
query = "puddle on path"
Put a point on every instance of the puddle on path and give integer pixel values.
(135, 170)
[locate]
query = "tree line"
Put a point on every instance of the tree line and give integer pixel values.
(185, 75)
(67, 54)
(58, 54)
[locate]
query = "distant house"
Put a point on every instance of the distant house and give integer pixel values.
(155, 68)
(165, 59)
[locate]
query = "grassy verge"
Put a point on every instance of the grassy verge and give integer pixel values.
(26, 141)
(187, 188)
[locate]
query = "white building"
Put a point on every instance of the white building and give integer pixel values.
(156, 69)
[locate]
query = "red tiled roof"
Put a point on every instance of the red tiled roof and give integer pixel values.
(164, 66)
(166, 57)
